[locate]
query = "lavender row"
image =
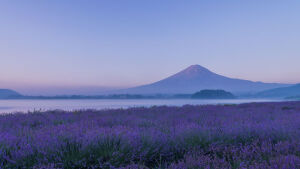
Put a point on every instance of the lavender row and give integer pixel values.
(255, 135)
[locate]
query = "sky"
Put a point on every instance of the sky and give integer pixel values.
(64, 44)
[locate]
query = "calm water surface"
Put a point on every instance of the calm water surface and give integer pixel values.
(10, 106)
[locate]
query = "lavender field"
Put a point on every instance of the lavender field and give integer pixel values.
(252, 135)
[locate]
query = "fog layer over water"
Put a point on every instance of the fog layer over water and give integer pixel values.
(10, 106)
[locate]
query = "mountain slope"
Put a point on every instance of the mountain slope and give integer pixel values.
(7, 93)
(196, 78)
(281, 92)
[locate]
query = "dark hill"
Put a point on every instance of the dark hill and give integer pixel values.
(7, 93)
(213, 94)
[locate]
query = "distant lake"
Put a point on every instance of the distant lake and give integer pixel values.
(10, 106)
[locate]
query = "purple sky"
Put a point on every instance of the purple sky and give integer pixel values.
(55, 44)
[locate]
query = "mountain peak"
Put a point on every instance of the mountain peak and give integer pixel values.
(195, 69)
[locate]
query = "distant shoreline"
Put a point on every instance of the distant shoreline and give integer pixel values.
(145, 98)
(67, 105)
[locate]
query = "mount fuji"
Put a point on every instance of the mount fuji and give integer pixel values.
(196, 78)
